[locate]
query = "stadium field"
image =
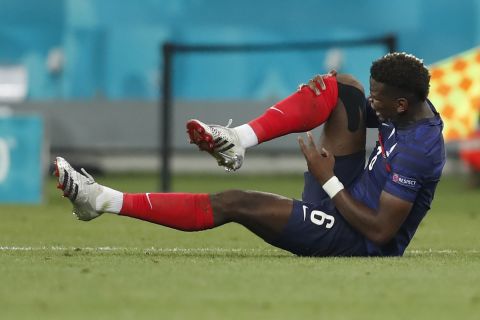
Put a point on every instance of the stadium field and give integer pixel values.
(54, 267)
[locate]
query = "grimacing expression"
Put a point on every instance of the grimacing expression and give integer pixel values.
(382, 102)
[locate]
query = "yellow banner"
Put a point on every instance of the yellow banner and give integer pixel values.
(455, 92)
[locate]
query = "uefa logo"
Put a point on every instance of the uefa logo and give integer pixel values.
(395, 177)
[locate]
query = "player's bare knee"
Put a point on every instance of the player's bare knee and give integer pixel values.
(352, 96)
(229, 204)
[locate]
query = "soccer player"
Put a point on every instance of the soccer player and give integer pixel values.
(347, 208)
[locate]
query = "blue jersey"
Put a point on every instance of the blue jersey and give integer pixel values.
(407, 163)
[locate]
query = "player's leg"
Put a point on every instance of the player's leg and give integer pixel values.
(345, 131)
(304, 110)
(264, 214)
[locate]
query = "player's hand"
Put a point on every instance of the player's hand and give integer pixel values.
(320, 162)
(332, 73)
(317, 84)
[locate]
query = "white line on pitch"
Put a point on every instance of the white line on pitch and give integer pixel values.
(193, 250)
(116, 249)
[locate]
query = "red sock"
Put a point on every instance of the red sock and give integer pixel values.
(181, 211)
(300, 112)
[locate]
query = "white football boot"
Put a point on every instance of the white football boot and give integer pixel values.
(81, 190)
(221, 142)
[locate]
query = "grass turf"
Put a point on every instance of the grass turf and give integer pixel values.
(54, 267)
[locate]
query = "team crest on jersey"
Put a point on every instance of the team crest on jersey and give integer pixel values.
(404, 181)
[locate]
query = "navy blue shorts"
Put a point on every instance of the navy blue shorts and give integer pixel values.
(315, 227)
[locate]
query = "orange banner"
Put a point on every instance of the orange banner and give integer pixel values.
(455, 92)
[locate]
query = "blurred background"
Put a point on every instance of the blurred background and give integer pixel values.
(84, 78)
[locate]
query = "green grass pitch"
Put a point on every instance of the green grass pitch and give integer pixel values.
(54, 267)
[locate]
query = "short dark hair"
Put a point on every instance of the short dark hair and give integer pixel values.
(403, 71)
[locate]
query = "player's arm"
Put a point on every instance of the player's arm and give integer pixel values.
(378, 226)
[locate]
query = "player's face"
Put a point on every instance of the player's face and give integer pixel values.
(382, 102)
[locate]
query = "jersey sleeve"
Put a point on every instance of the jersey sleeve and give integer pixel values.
(409, 167)
(416, 163)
